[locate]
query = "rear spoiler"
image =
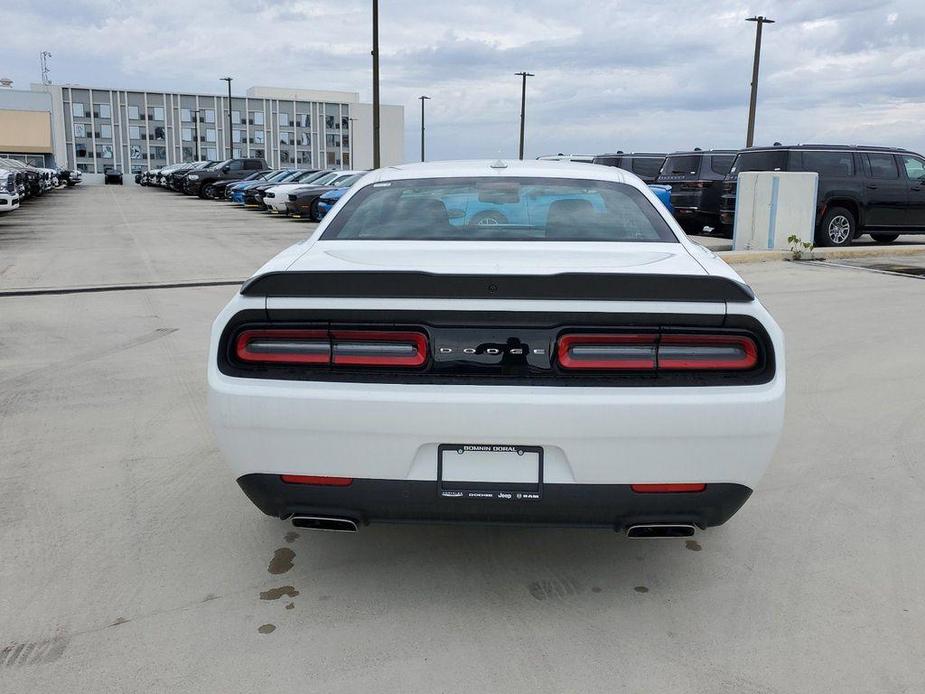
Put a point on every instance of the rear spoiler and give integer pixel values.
(565, 286)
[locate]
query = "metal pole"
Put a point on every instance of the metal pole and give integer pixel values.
(195, 113)
(375, 53)
(230, 143)
(753, 101)
(422, 98)
(523, 108)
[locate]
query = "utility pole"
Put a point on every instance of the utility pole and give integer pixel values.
(195, 112)
(422, 98)
(376, 159)
(230, 143)
(523, 107)
(759, 20)
(45, 55)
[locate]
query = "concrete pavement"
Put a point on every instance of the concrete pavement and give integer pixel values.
(132, 562)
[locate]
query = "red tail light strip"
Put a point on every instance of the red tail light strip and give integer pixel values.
(318, 480)
(338, 347)
(668, 488)
(673, 352)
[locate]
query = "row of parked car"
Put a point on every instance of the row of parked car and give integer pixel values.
(299, 193)
(20, 181)
(874, 190)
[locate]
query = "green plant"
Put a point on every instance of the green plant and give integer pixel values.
(798, 246)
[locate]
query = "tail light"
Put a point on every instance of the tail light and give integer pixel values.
(672, 352)
(317, 480)
(668, 488)
(406, 349)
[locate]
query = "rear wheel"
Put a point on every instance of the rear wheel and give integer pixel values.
(209, 192)
(884, 238)
(488, 218)
(313, 211)
(837, 228)
(202, 190)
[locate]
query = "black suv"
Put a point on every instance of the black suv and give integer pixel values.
(646, 165)
(696, 180)
(200, 182)
(875, 190)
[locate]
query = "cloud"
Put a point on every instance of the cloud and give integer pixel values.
(609, 74)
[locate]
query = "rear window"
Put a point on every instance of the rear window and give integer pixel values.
(721, 164)
(499, 209)
(606, 161)
(759, 161)
(686, 165)
(827, 163)
(647, 166)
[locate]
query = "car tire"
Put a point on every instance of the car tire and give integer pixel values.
(209, 192)
(313, 211)
(202, 191)
(487, 217)
(838, 228)
(884, 238)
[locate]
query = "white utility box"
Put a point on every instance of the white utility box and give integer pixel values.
(771, 206)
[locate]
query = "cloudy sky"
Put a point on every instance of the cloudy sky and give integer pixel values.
(610, 74)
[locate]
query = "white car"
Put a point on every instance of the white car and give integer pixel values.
(276, 197)
(9, 191)
(577, 362)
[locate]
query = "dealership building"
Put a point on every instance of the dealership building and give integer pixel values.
(95, 128)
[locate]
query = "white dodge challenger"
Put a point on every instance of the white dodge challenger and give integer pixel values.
(498, 342)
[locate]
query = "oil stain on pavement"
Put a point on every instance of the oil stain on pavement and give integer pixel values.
(281, 561)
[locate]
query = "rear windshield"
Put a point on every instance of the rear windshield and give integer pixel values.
(686, 165)
(647, 166)
(607, 161)
(759, 161)
(721, 164)
(499, 209)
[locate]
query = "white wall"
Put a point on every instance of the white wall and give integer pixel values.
(391, 135)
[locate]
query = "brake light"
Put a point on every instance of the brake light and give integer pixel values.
(707, 352)
(332, 347)
(607, 351)
(672, 352)
(317, 480)
(372, 348)
(667, 488)
(284, 346)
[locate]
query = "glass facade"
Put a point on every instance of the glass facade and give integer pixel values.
(135, 130)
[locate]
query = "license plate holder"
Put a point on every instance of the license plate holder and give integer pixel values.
(490, 472)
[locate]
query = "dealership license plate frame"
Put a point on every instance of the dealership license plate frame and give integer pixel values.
(491, 490)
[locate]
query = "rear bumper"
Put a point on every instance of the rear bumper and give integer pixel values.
(582, 505)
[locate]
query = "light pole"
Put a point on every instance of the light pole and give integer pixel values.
(423, 99)
(350, 121)
(759, 20)
(230, 143)
(195, 112)
(523, 107)
(375, 54)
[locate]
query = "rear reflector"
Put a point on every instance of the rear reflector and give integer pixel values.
(674, 352)
(667, 488)
(317, 480)
(338, 347)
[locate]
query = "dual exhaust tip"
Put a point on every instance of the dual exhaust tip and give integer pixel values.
(642, 532)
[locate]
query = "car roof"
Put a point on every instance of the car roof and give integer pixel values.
(631, 154)
(837, 148)
(691, 152)
(504, 168)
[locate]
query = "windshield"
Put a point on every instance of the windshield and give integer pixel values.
(500, 209)
(278, 176)
(254, 176)
(759, 161)
(326, 178)
(220, 164)
(346, 181)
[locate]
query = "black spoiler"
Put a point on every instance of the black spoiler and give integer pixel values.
(565, 286)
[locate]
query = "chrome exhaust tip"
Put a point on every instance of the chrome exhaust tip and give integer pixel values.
(329, 523)
(650, 531)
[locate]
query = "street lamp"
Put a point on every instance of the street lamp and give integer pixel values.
(375, 54)
(195, 113)
(230, 144)
(759, 20)
(423, 99)
(523, 107)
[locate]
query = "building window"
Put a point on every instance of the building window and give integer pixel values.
(83, 167)
(156, 113)
(186, 115)
(285, 137)
(134, 132)
(77, 109)
(137, 168)
(258, 137)
(133, 113)
(212, 154)
(283, 119)
(187, 153)
(135, 152)
(159, 133)
(105, 131)
(346, 160)
(210, 134)
(344, 123)
(102, 111)
(235, 116)
(285, 156)
(345, 140)
(80, 130)
(305, 158)
(186, 134)
(210, 115)
(158, 152)
(305, 139)
(104, 152)
(332, 140)
(330, 122)
(236, 152)
(256, 118)
(303, 120)
(236, 135)
(258, 153)
(332, 160)
(80, 149)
